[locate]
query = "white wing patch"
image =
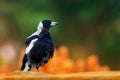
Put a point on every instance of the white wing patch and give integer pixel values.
(30, 46)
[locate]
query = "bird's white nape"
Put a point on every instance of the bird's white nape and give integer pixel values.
(40, 27)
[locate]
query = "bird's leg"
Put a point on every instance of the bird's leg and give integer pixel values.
(37, 68)
(27, 67)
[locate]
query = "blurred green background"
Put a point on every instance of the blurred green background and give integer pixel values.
(85, 27)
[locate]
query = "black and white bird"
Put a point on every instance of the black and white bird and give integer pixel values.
(39, 47)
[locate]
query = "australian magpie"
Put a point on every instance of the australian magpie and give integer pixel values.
(39, 47)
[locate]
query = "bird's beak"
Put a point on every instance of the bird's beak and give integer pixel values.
(53, 23)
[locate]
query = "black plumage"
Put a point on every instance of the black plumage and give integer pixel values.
(40, 47)
(42, 51)
(29, 39)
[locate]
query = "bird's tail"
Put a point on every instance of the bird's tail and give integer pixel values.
(24, 62)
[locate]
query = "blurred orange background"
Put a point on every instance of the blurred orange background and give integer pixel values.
(87, 38)
(61, 63)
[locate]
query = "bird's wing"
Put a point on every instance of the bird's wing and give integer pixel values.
(29, 39)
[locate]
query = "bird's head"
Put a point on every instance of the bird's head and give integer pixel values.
(46, 24)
